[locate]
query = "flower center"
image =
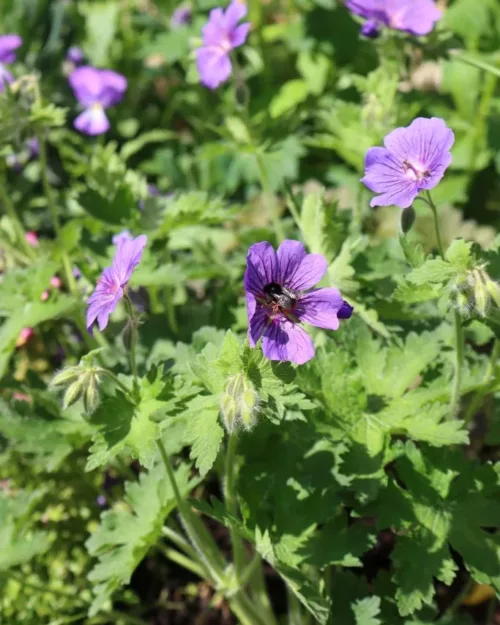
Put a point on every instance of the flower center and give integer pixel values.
(225, 45)
(279, 298)
(96, 106)
(415, 171)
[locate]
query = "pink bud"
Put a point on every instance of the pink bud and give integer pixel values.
(56, 282)
(24, 336)
(44, 296)
(32, 238)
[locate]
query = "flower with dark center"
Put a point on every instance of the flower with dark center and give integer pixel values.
(280, 298)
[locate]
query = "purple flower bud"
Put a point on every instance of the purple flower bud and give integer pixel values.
(221, 34)
(370, 29)
(75, 55)
(33, 146)
(279, 298)
(181, 16)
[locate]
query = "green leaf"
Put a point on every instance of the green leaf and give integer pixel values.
(101, 23)
(130, 148)
(115, 209)
(127, 533)
(204, 432)
(432, 271)
(367, 610)
(290, 95)
(459, 254)
(18, 542)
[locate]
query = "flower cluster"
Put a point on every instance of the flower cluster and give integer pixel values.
(8, 45)
(96, 90)
(279, 298)
(416, 17)
(413, 159)
(113, 281)
(221, 34)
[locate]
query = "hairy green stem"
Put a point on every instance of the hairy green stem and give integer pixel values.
(459, 332)
(208, 552)
(115, 379)
(182, 560)
(133, 336)
(232, 506)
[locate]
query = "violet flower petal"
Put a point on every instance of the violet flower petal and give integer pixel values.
(287, 341)
(320, 308)
(9, 43)
(262, 267)
(93, 121)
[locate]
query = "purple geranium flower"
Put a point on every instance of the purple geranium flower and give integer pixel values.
(113, 281)
(75, 55)
(279, 298)
(96, 89)
(416, 17)
(221, 34)
(181, 16)
(8, 43)
(413, 159)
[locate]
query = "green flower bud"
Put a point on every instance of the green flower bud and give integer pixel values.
(91, 394)
(248, 404)
(229, 410)
(480, 293)
(493, 291)
(239, 403)
(65, 376)
(72, 393)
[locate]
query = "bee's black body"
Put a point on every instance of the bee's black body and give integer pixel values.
(280, 295)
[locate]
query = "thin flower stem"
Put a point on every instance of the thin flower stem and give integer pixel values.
(232, 506)
(436, 223)
(208, 552)
(198, 541)
(484, 388)
(133, 336)
(294, 610)
(179, 541)
(455, 604)
(12, 213)
(459, 332)
(182, 560)
(115, 379)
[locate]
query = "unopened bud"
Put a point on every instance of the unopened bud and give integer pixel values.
(72, 393)
(248, 405)
(65, 376)
(480, 293)
(91, 394)
(229, 410)
(408, 217)
(493, 291)
(239, 403)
